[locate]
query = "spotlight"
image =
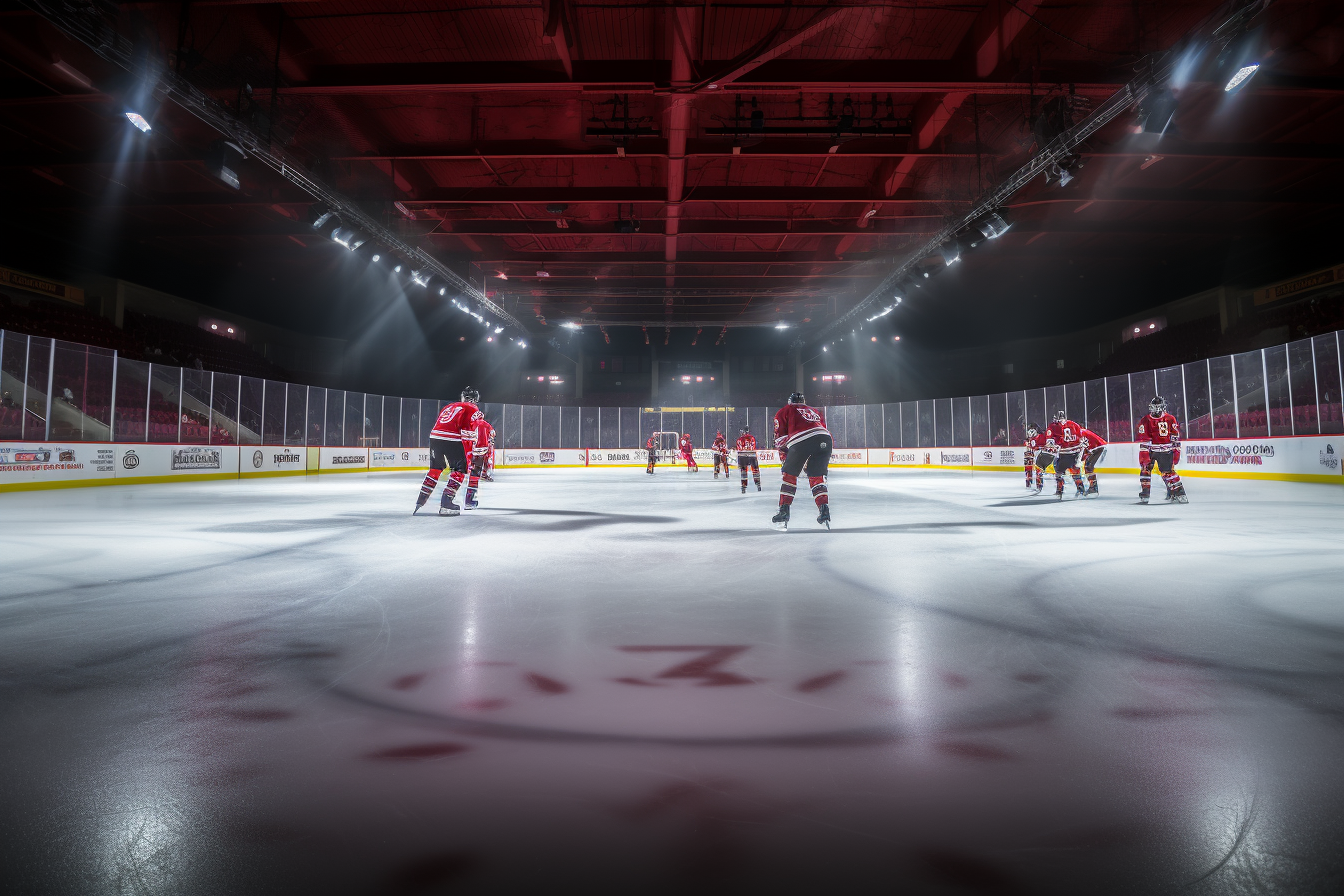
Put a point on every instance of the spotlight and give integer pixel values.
(499, 330)
(570, 325)
(324, 215)
(377, 257)
(419, 279)
(223, 160)
(138, 120)
(950, 253)
(781, 326)
(990, 227)
(825, 349)
(397, 269)
(1242, 75)
(1156, 113)
(348, 237)
(489, 339)
(522, 344)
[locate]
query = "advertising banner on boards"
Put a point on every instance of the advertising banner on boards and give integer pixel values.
(271, 460)
(156, 462)
(22, 462)
(398, 458)
(343, 460)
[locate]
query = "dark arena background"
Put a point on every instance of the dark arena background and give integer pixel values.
(363, 523)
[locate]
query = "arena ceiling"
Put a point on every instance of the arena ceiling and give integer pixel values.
(597, 160)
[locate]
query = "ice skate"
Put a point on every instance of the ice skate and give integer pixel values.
(1080, 493)
(1177, 495)
(418, 505)
(744, 489)
(1036, 489)
(448, 508)
(758, 486)
(824, 518)
(781, 518)
(487, 477)
(1143, 496)
(1092, 491)
(470, 503)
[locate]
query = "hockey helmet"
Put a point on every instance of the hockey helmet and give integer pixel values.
(1060, 416)
(685, 435)
(744, 431)
(1032, 430)
(797, 398)
(1158, 406)
(471, 395)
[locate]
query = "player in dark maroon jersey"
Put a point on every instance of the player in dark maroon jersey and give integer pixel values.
(746, 457)
(1041, 451)
(651, 446)
(688, 453)
(450, 442)
(720, 448)
(1159, 437)
(1068, 436)
(804, 442)
(1094, 449)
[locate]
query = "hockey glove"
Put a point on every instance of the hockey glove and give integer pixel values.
(1176, 455)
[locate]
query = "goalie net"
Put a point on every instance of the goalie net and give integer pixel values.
(666, 446)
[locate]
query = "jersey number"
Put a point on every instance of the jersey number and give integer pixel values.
(1162, 427)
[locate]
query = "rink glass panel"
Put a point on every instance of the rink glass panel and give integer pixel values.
(998, 419)
(13, 363)
(1017, 417)
(410, 423)
(834, 419)
(589, 427)
(132, 399)
(530, 435)
(873, 426)
(630, 429)
(1117, 409)
(608, 428)
(315, 430)
(1142, 389)
(35, 389)
(1094, 415)
(373, 420)
(1075, 403)
(961, 421)
(333, 418)
(510, 426)
(926, 434)
(1328, 386)
(354, 419)
(569, 428)
(1054, 403)
(909, 424)
(1036, 407)
(737, 418)
(273, 417)
(250, 394)
(1252, 415)
(1198, 419)
(195, 406)
(891, 425)
(762, 423)
(391, 422)
(942, 422)
(1222, 399)
(694, 421)
(81, 387)
(856, 426)
(1278, 401)
(296, 414)
(165, 403)
(224, 409)
(1302, 388)
(550, 427)
(649, 423)
(429, 415)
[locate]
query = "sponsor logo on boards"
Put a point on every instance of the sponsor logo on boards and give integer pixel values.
(405, 455)
(902, 457)
(258, 459)
(382, 456)
(1220, 455)
(196, 459)
(548, 457)
(955, 458)
(40, 456)
(347, 459)
(66, 456)
(1329, 459)
(511, 457)
(286, 457)
(130, 460)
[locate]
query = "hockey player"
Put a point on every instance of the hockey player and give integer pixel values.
(746, 457)
(450, 442)
(651, 446)
(1094, 449)
(488, 471)
(804, 443)
(720, 448)
(1068, 436)
(1159, 437)
(479, 452)
(1040, 452)
(688, 453)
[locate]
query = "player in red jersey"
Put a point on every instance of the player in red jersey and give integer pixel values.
(488, 474)
(1041, 450)
(1094, 449)
(450, 442)
(651, 446)
(688, 454)
(804, 442)
(1068, 436)
(746, 457)
(720, 448)
(1159, 437)
(480, 449)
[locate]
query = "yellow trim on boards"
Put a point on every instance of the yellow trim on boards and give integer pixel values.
(124, 480)
(268, 474)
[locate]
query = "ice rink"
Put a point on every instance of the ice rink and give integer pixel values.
(636, 684)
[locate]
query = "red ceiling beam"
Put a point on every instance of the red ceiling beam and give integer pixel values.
(820, 22)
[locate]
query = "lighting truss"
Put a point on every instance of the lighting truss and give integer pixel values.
(87, 24)
(1055, 155)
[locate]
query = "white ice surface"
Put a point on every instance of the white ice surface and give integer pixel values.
(265, 686)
